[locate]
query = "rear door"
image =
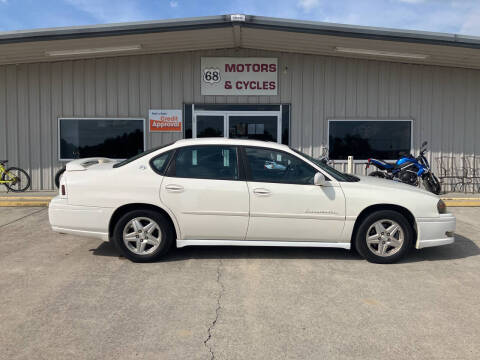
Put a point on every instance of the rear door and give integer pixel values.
(207, 193)
(284, 203)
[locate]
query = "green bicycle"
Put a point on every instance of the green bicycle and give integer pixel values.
(13, 178)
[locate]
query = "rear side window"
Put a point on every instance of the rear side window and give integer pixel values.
(160, 162)
(206, 162)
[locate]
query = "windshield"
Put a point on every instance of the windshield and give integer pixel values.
(138, 156)
(337, 175)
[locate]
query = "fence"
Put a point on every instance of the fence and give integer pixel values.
(456, 174)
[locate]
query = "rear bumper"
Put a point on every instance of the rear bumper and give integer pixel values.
(435, 231)
(90, 221)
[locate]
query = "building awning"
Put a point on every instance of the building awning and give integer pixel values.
(239, 31)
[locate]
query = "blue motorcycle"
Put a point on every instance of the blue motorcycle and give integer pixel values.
(408, 169)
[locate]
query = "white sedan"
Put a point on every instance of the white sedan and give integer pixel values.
(245, 193)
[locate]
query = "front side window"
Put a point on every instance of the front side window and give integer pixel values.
(206, 162)
(364, 139)
(268, 165)
(112, 138)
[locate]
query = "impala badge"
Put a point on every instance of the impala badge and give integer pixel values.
(331, 212)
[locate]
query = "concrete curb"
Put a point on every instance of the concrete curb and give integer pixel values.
(9, 198)
(462, 202)
(25, 201)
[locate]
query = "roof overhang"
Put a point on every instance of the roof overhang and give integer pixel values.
(229, 31)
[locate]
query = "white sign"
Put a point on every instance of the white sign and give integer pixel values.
(239, 76)
(165, 120)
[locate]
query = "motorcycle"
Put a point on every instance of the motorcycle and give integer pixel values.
(408, 169)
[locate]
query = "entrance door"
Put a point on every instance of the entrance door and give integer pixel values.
(209, 125)
(256, 125)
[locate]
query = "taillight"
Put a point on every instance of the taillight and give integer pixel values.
(441, 207)
(64, 192)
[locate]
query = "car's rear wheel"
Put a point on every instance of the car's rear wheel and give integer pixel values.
(384, 237)
(143, 235)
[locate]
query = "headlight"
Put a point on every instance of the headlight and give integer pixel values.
(441, 207)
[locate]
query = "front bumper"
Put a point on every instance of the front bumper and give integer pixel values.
(90, 221)
(435, 231)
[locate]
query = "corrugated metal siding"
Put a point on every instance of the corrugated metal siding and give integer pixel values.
(443, 102)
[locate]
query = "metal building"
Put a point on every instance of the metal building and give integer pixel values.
(290, 81)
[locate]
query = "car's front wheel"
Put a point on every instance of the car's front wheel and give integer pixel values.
(384, 237)
(143, 235)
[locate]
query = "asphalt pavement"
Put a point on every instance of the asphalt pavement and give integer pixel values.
(68, 297)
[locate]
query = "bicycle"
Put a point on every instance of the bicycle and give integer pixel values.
(15, 179)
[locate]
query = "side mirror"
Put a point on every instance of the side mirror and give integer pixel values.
(424, 144)
(319, 179)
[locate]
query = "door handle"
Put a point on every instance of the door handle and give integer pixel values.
(262, 192)
(174, 188)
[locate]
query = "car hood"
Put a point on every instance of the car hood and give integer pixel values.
(374, 191)
(376, 183)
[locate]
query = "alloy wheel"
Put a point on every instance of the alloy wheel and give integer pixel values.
(385, 237)
(142, 236)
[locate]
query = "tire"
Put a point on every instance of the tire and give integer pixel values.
(378, 174)
(58, 175)
(432, 184)
(152, 250)
(370, 250)
(23, 179)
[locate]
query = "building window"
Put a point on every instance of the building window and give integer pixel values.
(112, 138)
(363, 139)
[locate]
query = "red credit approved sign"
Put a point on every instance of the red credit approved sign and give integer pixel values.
(165, 120)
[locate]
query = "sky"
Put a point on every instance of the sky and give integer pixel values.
(450, 16)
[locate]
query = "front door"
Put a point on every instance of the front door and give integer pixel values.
(284, 203)
(204, 190)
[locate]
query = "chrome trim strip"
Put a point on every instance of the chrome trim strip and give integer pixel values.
(216, 213)
(300, 216)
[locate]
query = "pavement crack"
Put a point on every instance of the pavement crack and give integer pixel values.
(21, 218)
(217, 310)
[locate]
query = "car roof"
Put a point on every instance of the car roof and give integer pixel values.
(225, 141)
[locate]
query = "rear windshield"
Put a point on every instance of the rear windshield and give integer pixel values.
(138, 156)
